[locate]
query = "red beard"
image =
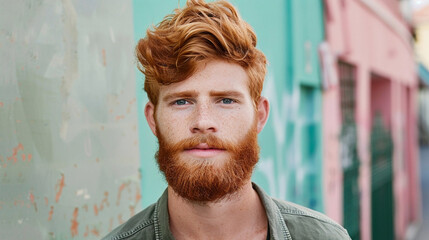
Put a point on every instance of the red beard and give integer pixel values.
(204, 181)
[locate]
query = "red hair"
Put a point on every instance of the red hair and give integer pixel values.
(201, 31)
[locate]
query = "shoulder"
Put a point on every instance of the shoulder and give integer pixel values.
(304, 223)
(140, 226)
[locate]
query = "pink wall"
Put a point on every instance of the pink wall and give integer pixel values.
(381, 100)
(372, 36)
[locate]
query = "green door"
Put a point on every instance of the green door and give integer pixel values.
(348, 151)
(351, 193)
(381, 182)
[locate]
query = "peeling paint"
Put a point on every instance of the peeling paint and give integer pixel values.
(138, 195)
(59, 188)
(95, 232)
(15, 152)
(86, 233)
(51, 212)
(54, 85)
(121, 188)
(74, 223)
(120, 220)
(95, 210)
(32, 201)
(119, 117)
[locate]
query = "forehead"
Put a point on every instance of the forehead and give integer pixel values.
(214, 75)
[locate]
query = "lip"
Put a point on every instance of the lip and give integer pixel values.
(203, 150)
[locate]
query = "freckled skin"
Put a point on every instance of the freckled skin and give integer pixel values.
(204, 113)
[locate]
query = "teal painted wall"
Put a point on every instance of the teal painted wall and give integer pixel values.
(68, 118)
(289, 33)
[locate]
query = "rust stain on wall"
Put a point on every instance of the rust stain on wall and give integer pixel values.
(119, 117)
(74, 223)
(120, 220)
(95, 210)
(59, 188)
(86, 233)
(138, 195)
(49, 110)
(15, 152)
(105, 199)
(33, 202)
(121, 188)
(51, 212)
(95, 232)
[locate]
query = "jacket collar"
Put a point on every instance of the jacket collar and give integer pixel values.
(277, 224)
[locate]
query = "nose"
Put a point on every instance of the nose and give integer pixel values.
(204, 120)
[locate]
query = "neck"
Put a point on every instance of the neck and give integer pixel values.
(229, 218)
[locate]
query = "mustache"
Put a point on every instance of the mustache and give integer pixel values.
(210, 140)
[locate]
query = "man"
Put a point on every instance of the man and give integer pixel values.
(204, 79)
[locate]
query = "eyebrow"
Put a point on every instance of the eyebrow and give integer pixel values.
(226, 94)
(193, 94)
(184, 94)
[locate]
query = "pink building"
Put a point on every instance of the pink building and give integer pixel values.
(370, 119)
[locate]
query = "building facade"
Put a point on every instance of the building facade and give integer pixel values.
(370, 119)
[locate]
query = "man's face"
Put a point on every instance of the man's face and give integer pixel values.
(207, 130)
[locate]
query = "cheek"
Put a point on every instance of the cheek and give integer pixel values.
(171, 127)
(237, 125)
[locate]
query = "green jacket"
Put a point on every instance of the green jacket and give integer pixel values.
(286, 221)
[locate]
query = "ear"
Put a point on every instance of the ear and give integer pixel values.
(263, 111)
(149, 112)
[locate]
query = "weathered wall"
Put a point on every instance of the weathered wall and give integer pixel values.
(68, 127)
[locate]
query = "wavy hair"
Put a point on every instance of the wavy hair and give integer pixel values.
(200, 31)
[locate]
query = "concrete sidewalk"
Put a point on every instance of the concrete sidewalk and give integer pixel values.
(424, 176)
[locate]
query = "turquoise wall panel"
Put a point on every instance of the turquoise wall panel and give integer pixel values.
(68, 142)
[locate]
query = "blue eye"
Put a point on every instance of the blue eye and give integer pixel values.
(227, 101)
(181, 102)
